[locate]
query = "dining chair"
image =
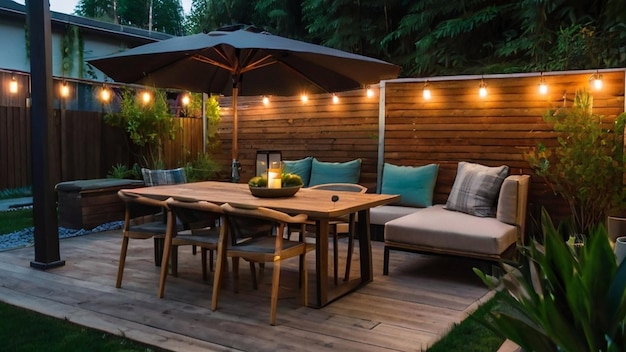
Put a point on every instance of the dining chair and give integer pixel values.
(342, 225)
(144, 218)
(202, 222)
(255, 234)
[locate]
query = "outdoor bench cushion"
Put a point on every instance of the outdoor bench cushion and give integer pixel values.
(440, 228)
(383, 213)
(100, 183)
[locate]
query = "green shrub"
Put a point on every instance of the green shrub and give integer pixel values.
(203, 168)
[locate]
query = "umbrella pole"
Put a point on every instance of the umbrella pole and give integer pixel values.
(235, 151)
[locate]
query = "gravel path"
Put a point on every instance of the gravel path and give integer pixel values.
(25, 237)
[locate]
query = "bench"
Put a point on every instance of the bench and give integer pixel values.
(85, 204)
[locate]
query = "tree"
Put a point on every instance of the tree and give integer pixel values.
(167, 15)
(209, 15)
(353, 26)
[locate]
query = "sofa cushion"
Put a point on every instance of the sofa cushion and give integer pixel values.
(476, 188)
(301, 167)
(328, 172)
(415, 185)
(163, 177)
(383, 213)
(437, 227)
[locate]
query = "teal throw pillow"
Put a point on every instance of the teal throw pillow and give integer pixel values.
(300, 167)
(414, 184)
(327, 172)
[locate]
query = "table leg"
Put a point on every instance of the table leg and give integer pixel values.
(321, 262)
(365, 246)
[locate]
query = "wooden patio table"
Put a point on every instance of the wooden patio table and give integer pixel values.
(319, 207)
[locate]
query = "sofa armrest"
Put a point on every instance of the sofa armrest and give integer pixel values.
(512, 202)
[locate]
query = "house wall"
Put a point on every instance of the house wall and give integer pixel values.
(99, 39)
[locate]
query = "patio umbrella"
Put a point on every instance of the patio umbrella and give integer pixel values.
(244, 62)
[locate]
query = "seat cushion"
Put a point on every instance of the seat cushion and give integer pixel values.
(437, 227)
(475, 189)
(328, 172)
(415, 185)
(301, 167)
(383, 213)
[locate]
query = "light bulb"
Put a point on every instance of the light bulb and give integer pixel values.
(146, 97)
(335, 99)
(543, 88)
(304, 98)
(185, 100)
(426, 91)
(482, 91)
(597, 82)
(13, 85)
(105, 94)
(266, 100)
(65, 90)
(369, 92)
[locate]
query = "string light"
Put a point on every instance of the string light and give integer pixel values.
(65, 90)
(596, 78)
(304, 98)
(426, 91)
(266, 100)
(335, 99)
(145, 97)
(543, 87)
(105, 94)
(369, 92)
(482, 89)
(185, 99)
(13, 85)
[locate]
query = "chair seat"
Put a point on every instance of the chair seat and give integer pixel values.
(264, 245)
(158, 227)
(198, 237)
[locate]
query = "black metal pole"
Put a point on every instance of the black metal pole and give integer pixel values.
(47, 253)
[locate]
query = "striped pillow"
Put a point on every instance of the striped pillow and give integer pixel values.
(476, 189)
(163, 177)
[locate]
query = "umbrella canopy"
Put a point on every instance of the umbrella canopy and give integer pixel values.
(244, 62)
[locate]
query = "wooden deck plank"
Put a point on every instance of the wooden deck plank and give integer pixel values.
(408, 310)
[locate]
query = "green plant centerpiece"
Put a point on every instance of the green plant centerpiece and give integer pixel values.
(560, 299)
(287, 180)
(586, 165)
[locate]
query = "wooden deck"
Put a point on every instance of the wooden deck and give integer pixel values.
(408, 310)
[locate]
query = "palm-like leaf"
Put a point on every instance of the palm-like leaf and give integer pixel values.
(563, 299)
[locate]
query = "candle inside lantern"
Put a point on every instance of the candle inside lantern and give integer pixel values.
(274, 179)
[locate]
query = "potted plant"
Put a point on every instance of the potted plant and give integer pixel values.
(560, 299)
(586, 166)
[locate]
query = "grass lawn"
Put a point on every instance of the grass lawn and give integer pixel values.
(23, 330)
(14, 220)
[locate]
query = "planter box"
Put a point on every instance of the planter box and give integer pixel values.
(85, 204)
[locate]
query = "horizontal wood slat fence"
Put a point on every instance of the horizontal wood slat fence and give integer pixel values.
(454, 125)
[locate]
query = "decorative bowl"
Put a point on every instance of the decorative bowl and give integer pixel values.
(264, 192)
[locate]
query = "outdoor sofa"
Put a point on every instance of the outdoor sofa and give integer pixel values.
(484, 216)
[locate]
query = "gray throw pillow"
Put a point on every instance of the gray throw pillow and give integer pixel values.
(476, 189)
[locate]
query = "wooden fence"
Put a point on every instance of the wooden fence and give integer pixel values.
(83, 146)
(454, 125)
